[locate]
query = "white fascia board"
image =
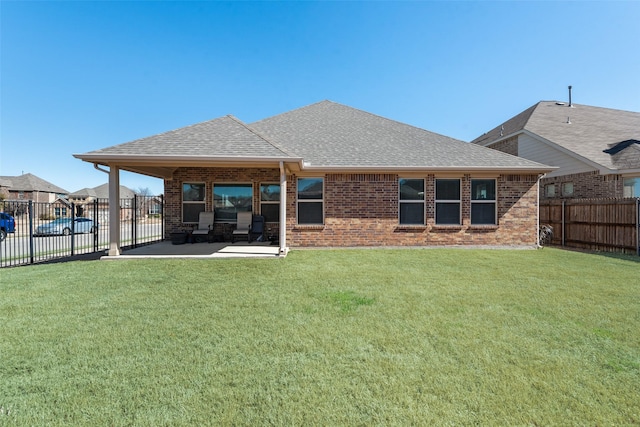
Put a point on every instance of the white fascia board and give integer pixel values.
(119, 158)
(394, 169)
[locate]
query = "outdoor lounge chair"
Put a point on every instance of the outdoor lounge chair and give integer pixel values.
(244, 226)
(205, 225)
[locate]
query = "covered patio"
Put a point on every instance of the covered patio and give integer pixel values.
(166, 249)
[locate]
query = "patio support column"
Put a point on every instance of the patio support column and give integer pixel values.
(114, 211)
(283, 210)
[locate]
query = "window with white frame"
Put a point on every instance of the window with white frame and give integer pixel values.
(411, 201)
(270, 202)
(567, 188)
(448, 201)
(483, 201)
(550, 190)
(310, 200)
(631, 187)
(193, 201)
(231, 198)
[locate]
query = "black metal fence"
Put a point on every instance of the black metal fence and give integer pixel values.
(48, 231)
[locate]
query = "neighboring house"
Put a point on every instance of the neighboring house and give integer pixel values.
(85, 201)
(336, 176)
(596, 150)
(18, 189)
(31, 187)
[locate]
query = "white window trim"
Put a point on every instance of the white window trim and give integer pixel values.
(273, 202)
(423, 201)
(192, 202)
(213, 200)
(436, 201)
(309, 200)
(546, 191)
(484, 201)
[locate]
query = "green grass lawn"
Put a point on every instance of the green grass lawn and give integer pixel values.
(344, 337)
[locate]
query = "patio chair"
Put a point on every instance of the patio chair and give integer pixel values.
(257, 228)
(205, 225)
(244, 226)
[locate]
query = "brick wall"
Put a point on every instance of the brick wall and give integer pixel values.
(587, 185)
(509, 146)
(362, 210)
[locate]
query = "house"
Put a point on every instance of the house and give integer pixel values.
(31, 187)
(18, 189)
(335, 176)
(596, 150)
(88, 199)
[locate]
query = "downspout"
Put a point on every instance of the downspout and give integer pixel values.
(538, 213)
(114, 209)
(283, 210)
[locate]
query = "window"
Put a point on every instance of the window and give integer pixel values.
(550, 190)
(411, 201)
(229, 199)
(270, 202)
(447, 201)
(310, 201)
(631, 187)
(483, 201)
(567, 189)
(58, 212)
(193, 201)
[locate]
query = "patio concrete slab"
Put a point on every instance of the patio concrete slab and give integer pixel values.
(166, 249)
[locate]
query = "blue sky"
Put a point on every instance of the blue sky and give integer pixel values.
(78, 76)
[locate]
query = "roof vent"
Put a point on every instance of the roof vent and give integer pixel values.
(560, 103)
(570, 104)
(502, 130)
(568, 120)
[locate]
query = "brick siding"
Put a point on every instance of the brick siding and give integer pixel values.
(587, 185)
(362, 210)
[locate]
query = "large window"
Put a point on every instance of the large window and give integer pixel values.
(483, 201)
(310, 201)
(411, 201)
(448, 201)
(229, 199)
(193, 201)
(270, 202)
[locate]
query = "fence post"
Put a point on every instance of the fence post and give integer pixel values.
(638, 226)
(73, 229)
(563, 222)
(30, 217)
(96, 225)
(162, 216)
(134, 222)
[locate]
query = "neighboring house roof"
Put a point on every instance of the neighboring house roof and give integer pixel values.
(595, 134)
(325, 135)
(30, 182)
(102, 192)
(84, 193)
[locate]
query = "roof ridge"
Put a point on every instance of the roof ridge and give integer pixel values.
(259, 135)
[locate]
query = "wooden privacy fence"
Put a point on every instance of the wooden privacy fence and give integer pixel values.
(610, 225)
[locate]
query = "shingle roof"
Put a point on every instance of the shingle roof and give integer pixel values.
(102, 192)
(327, 134)
(222, 137)
(585, 130)
(30, 182)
